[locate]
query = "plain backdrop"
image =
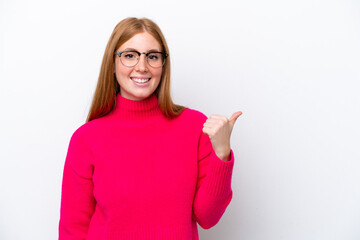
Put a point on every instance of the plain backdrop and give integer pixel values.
(292, 67)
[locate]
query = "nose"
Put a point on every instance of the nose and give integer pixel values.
(141, 66)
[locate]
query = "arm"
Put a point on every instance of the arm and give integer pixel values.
(77, 201)
(213, 191)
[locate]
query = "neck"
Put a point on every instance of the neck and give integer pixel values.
(127, 109)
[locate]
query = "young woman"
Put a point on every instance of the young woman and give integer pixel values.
(142, 167)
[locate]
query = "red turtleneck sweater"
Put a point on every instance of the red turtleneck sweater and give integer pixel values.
(134, 174)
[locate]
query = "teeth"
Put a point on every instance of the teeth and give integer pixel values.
(141, 80)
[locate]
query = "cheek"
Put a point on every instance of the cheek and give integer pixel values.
(123, 72)
(157, 73)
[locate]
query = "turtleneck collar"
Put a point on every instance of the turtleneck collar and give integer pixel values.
(126, 109)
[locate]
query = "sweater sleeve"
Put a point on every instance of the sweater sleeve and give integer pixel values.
(77, 201)
(213, 190)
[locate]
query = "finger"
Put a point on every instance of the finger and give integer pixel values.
(206, 131)
(209, 131)
(216, 116)
(213, 120)
(212, 126)
(234, 117)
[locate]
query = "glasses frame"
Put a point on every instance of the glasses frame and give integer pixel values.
(165, 55)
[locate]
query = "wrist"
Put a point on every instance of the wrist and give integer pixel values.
(224, 156)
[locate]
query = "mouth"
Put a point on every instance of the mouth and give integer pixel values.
(140, 80)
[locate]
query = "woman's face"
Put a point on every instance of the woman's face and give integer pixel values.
(127, 76)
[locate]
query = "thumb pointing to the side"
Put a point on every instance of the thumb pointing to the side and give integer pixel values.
(234, 117)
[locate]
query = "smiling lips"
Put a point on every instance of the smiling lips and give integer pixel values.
(140, 79)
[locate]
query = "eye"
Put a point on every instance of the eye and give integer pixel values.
(154, 56)
(129, 55)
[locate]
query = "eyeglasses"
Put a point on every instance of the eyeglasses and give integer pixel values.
(130, 58)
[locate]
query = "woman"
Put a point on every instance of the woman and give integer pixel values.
(142, 167)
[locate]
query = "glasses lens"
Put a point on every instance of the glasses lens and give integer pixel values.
(155, 59)
(129, 58)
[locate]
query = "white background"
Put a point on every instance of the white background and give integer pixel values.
(292, 67)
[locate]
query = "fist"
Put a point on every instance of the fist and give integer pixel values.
(219, 129)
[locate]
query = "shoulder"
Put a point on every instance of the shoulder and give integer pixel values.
(194, 113)
(80, 150)
(86, 131)
(193, 116)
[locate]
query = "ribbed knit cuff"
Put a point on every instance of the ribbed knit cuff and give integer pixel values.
(219, 175)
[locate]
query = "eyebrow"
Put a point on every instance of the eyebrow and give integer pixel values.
(151, 50)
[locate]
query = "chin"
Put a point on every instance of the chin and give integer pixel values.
(139, 97)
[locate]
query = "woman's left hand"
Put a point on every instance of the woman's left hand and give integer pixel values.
(219, 129)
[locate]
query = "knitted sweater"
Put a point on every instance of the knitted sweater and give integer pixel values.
(134, 174)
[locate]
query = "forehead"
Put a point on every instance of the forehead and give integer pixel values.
(142, 42)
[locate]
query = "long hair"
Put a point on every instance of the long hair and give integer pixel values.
(107, 86)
